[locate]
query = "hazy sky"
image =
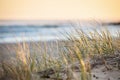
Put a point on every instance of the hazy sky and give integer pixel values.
(59, 9)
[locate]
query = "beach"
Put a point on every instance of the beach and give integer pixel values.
(90, 53)
(98, 72)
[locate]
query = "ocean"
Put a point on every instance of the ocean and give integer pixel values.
(48, 32)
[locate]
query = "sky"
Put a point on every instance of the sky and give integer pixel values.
(60, 9)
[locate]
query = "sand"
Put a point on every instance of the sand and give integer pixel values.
(98, 73)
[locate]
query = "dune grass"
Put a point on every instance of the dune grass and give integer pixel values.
(79, 49)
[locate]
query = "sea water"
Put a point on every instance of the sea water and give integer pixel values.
(19, 33)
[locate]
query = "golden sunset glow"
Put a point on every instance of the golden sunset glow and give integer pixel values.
(59, 9)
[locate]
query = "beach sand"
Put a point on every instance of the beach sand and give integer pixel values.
(7, 50)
